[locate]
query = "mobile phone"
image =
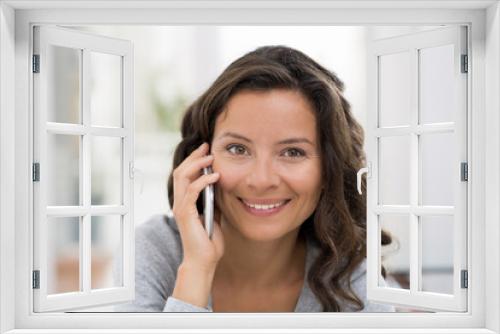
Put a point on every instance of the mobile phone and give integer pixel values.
(208, 205)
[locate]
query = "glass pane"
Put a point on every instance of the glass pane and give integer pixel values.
(63, 254)
(437, 84)
(437, 253)
(106, 252)
(62, 169)
(394, 170)
(438, 168)
(63, 100)
(394, 76)
(395, 256)
(106, 170)
(106, 89)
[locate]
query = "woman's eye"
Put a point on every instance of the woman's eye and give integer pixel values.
(235, 149)
(295, 153)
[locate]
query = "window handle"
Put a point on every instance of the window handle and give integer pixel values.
(363, 170)
(136, 172)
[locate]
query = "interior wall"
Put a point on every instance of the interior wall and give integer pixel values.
(7, 176)
(492, 184)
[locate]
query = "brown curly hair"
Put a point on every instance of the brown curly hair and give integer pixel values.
(338, 224)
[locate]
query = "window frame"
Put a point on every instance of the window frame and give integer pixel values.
(16, 128)
(86, 130)
(411, 45)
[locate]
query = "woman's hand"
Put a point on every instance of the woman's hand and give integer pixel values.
(201, 254)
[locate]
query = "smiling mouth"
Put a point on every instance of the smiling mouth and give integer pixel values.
(265, 207)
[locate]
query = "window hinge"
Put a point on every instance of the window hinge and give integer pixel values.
(465, 64)
(464, 171)
(465, 279)
(36, 279)
(36, 63)
(36, 172)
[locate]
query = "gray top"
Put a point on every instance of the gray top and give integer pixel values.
(158, 254)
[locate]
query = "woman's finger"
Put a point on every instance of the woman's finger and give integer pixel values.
(195, 188)
(186, 205)
(192, 171)
(200, 151)
(188, 174)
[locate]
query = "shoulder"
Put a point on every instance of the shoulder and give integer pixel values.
(158, 253)
(157, 228)
(359, 284)
(157, 224)
(158, 238)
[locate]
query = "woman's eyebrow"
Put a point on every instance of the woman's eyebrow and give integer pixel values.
(285, 141)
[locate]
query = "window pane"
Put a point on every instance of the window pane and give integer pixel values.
(437, 253)
(106, 170)
(394, 170)
(438, 170)
(106, 252)
(62, 170)
(63, 100)
(394, 76)
(437, 84)
(106, 89)
(395, 257)
(63, 259)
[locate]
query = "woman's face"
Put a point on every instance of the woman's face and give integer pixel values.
(266, 151)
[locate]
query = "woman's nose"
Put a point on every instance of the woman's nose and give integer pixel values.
(263, 174)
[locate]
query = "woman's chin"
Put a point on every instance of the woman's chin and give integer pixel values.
(257, 232)
(261, 233)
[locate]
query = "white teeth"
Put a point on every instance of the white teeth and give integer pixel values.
(265, 207)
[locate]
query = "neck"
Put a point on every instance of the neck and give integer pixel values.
(261, 264)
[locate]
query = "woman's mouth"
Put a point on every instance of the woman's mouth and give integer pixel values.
(264, 210)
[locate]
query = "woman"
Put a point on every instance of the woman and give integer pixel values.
(290, 227)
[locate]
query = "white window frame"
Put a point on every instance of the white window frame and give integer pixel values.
(411, 45)
(16, 217)
(88, 44)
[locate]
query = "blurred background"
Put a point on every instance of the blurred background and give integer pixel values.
(173, 65)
